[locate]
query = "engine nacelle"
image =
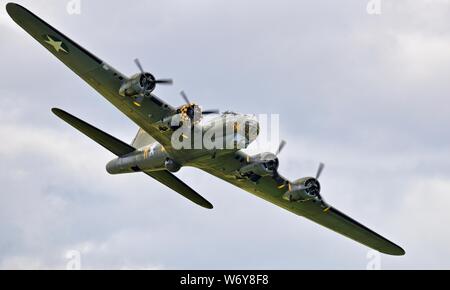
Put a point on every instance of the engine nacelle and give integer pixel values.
(138, 84)
(258, 168)
(262, 164)
(307, 188)
(187, 114)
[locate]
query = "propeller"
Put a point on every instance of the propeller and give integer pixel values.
(164, 81)
(278, 179)
(138, 64)
(188, 103)
(185, 97)
(319, 170)
(325, 206)
(312, 187)
(150, 80)
(318, 173)
(280, 147)
(211, 112)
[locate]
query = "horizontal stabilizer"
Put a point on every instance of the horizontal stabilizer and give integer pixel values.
(111, 143)
(170, 180)
(120, 148)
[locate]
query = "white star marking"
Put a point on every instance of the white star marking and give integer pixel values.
(57, 45)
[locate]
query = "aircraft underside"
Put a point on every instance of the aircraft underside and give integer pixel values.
(155, 153)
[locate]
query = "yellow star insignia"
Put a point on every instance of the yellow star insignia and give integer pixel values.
(57, 45)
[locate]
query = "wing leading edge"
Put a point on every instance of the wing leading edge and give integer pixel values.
(268, 189)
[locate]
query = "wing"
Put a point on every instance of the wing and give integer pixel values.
(98, 74)
(120, 148)
(82, 62)
(268, 188)
(345, 225)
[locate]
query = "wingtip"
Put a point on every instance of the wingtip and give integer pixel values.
(395, 250)
(399, 252)
(206, 204)
(57, 111)
(12, 7)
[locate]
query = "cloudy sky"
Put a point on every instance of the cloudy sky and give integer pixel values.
(366, 94)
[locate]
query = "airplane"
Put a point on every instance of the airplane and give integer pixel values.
(153, 152)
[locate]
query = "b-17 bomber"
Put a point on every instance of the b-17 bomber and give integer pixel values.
(168, 139)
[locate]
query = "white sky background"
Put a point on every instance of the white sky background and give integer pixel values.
(366, 94)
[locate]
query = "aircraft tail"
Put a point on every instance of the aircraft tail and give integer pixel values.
(142, 139)
(120, 148)
(109, 142)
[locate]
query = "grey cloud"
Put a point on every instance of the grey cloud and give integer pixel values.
(369, 94)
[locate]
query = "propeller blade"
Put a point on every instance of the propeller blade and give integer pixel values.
(319, 170)
(138, 64)
(210, 112)
(185, 98)
(280, 148)
(164, 81)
